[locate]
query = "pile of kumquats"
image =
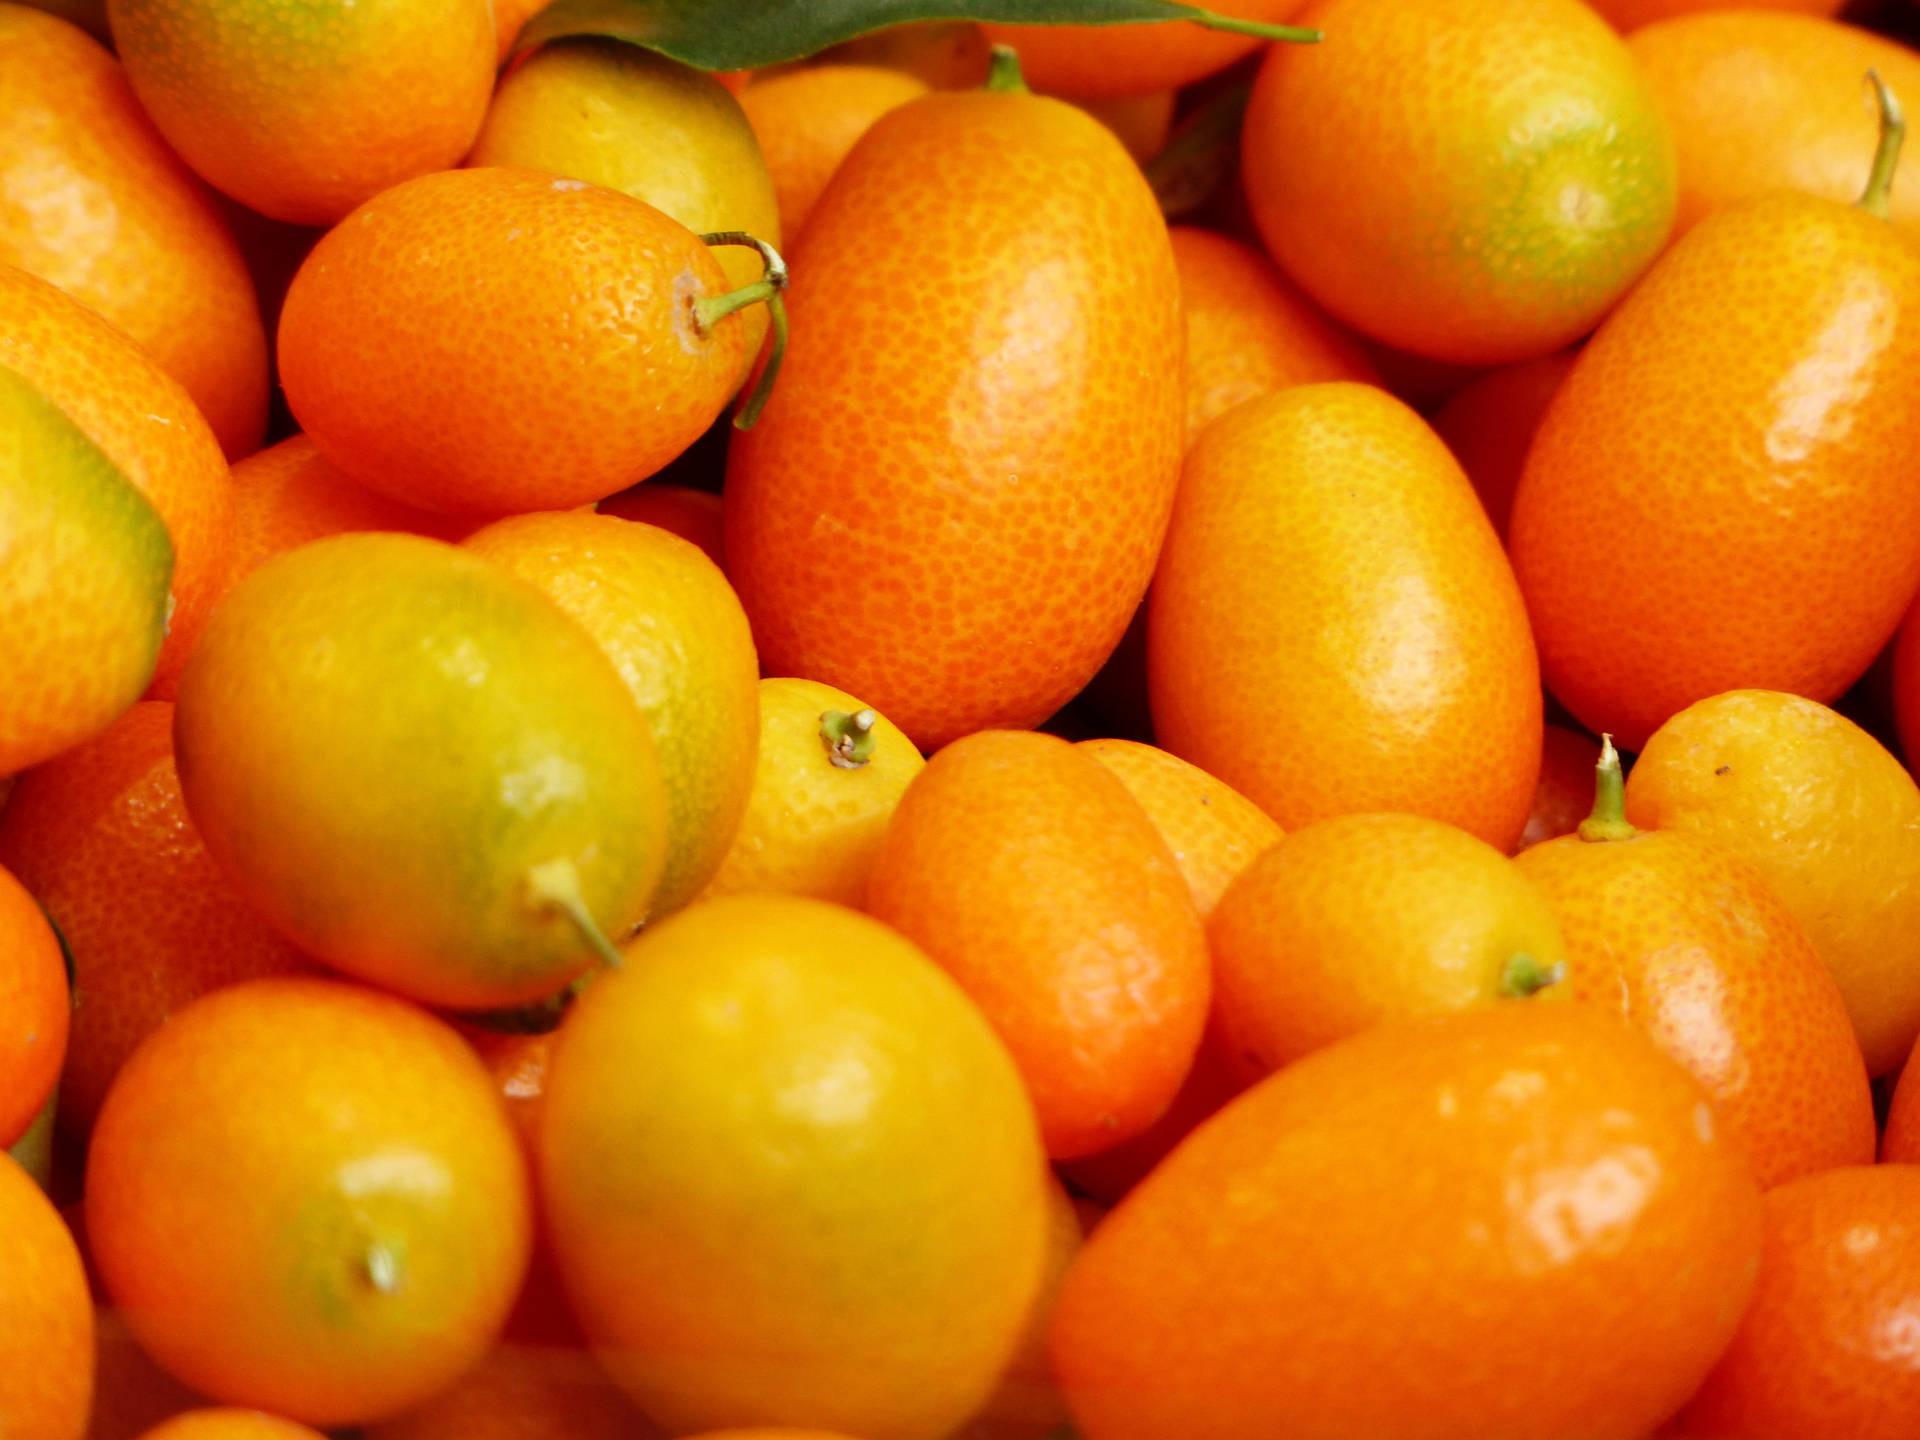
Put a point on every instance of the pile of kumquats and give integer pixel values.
(959, 720)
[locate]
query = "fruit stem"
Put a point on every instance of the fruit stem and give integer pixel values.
(555, 885)
(382, 1265)
(710, 310)
(848, 738)
(1893, 130)
(1523, 975)
(1609, 818)
(1233, 24)
(1004, 76)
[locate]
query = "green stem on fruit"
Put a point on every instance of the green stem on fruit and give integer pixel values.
(383, 1268)
(848, 737)
(1233, 24)
(1609, 818)
(555, 885)
(1004, 76)
(1200, 157)
(1524, 975)
(710, 310)
(1893, 130)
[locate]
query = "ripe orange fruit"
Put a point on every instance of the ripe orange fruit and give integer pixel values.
(99, 204)
(290, 494)
(83, 582)
(1333, 627)
(1249, 330)
(1830, 820)
(617, 115)
(1213, 831)
(1489, 424)
(101, 837)
(689, 513)
(35, 1007)
(1564, 796)
(666, 617)
(1027, 869)
(1491, 204)
(1091, 62)
(1349, 1247)
(1628, 16)
(1822, 1352)
(828, 775)
(1763, 99)
(901, 509)
(46, 1317)
(791, 1176)
(1358, 920)
(418, 342)
(147, 426)
(416, 767)
(806, 121)
(1777, 556)
(1686, 941)
(229, 1423)
(304, 1197)
(302, 112)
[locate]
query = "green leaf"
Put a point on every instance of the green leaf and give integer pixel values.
(748, 34)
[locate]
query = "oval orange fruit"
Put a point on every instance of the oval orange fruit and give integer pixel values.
(483, 342)
(304, 1196)
(904, 506)
(1333, 627)
(791, 1176)
(303, 111)
(1359, 920)
(1348, 1247)
(1685, 940)
(420, 770)
(1472, 180)
(1716, 498)
(1026, 868)
(1822, 1352)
